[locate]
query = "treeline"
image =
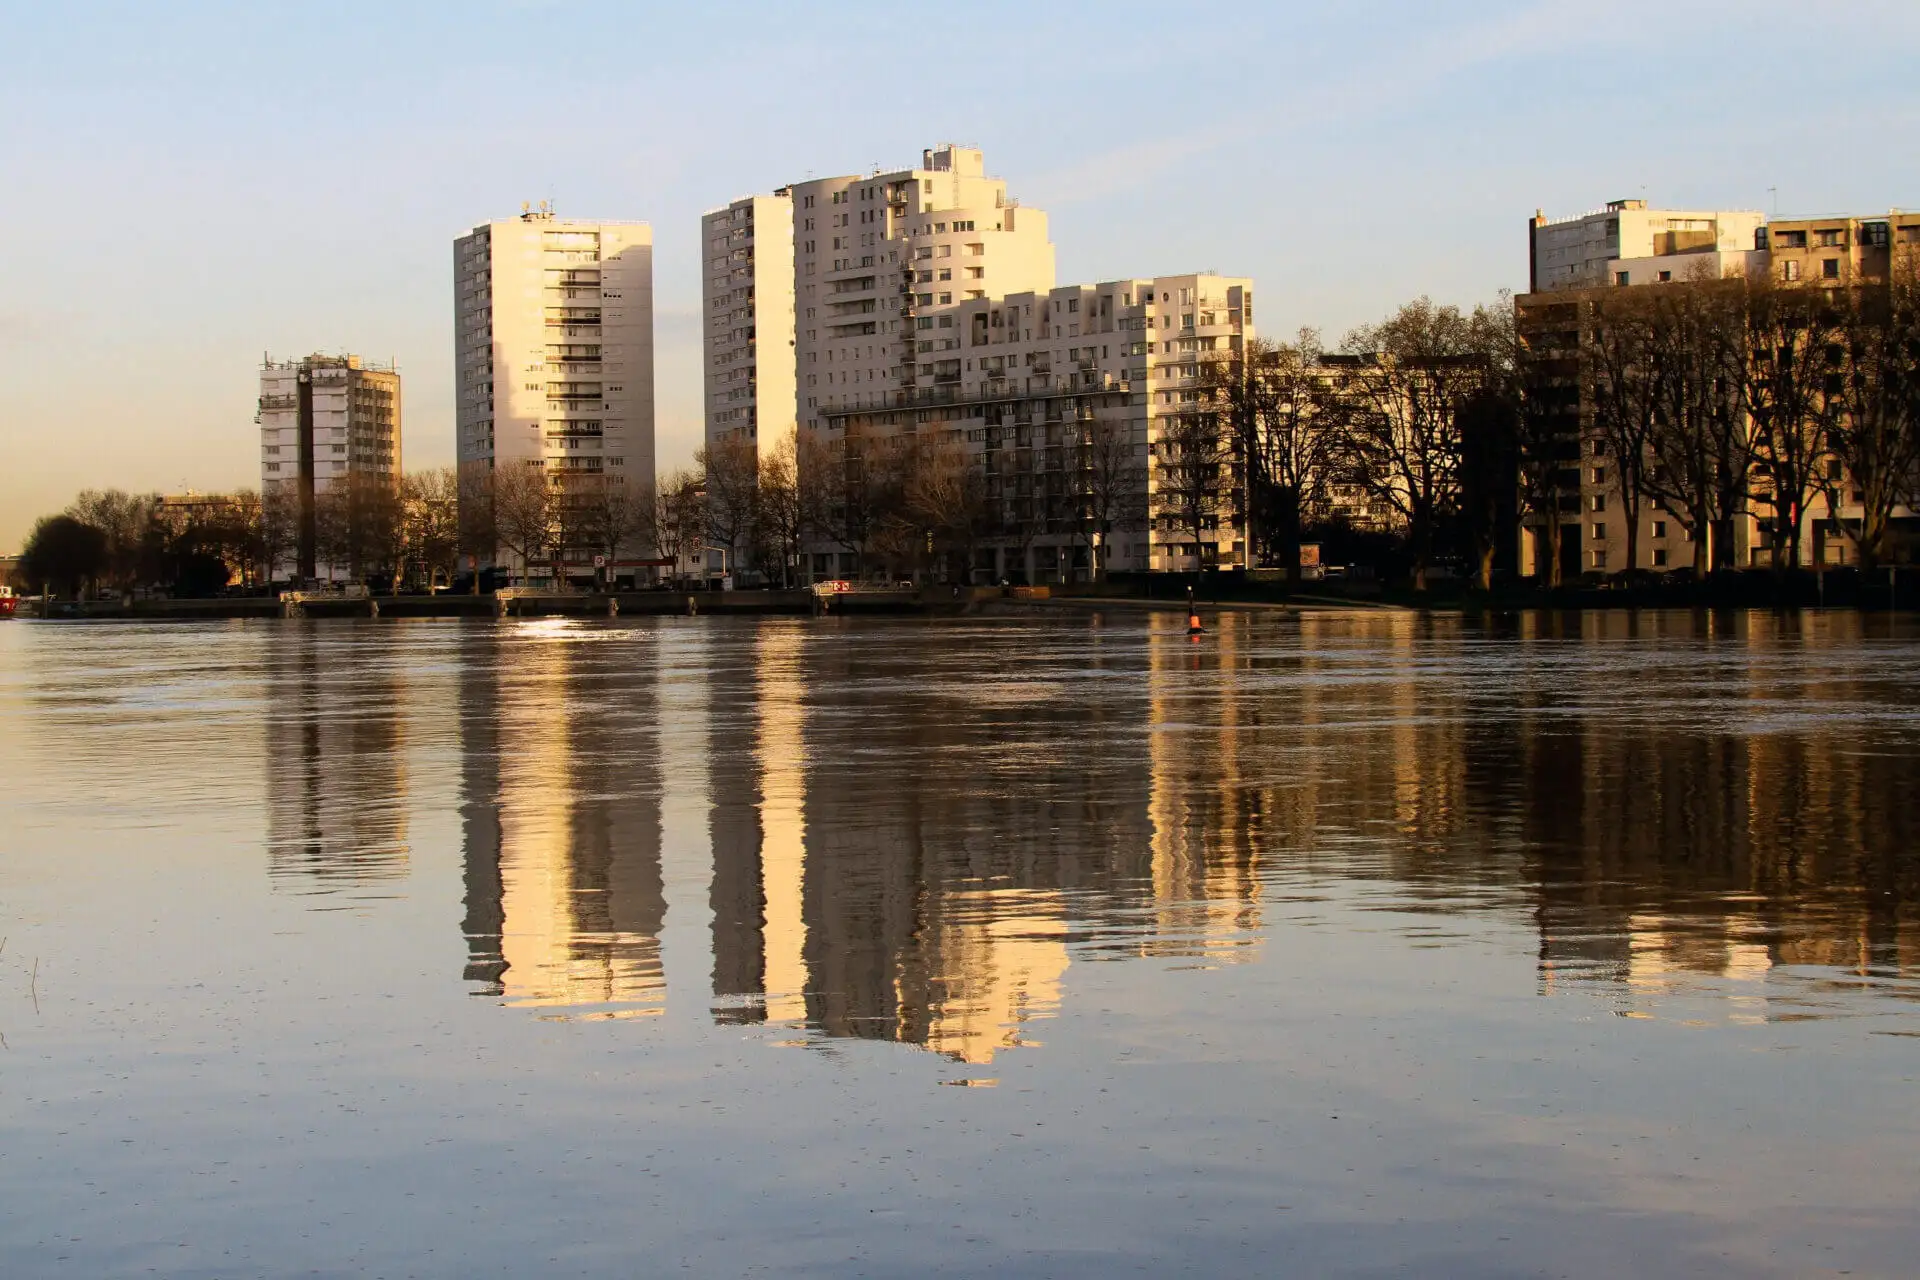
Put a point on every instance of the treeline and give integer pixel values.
(108, 539)
(1702, 401)
(1714, 400)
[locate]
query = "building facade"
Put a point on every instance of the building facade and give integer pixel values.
(1086, 408)
(553, 354)
(1627, 243)
(1557, 324)
(325, 422)
(921, 305)
(871, 254)
(747, 301)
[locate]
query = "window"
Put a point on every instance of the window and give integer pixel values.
(1659, 557)
(1829, 268)
(1598, 502)
(1789, 271)
(1599, 532)
(1620, 278)
(1600, 559)
(1666, 277)
(946, 273)
(1832, 239)
(946, 251)
(1660, 530)
(1790, 239)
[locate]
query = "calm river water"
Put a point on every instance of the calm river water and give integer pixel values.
(1332, 944)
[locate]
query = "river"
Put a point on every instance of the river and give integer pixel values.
(1329, 943)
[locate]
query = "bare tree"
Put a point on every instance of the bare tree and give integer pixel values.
(479, 537)
(1790, 340)
(1406, 382)
(279, 527)
(613, 515)
(859, 474)
(522, 510)
(730, 473)
(430, 509)
(357, 524)
(1111, 482)
(125, 519)
(1874, 397)
(1194, 463)
(779, 512)
(1627, 368)
(943, 504)
(1702, 437)
(679, 513)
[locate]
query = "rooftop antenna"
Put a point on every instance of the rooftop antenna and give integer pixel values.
(1775, 193)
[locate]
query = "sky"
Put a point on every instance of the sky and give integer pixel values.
(185, 187)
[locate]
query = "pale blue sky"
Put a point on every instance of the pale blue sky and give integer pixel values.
(186, 185)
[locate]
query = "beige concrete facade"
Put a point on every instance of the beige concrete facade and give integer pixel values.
(923, 302)
(356, 420)
(1022, 381)
(355, 432)
(1628, 243)
(871, 253)
(1832, 252)
(553, 348)
(748, 308)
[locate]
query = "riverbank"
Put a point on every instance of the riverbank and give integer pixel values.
(1843, 589)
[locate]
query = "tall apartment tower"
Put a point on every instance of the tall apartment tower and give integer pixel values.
(553, 349)
(871, 253)
(747, 288)
(863, 255)
(325, 420)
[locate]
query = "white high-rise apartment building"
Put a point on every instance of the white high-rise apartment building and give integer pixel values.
(863, 256)
(871, 253)
(747, 288)
(923, 302)
(553, 350)
(325, 420)
(1060, 393)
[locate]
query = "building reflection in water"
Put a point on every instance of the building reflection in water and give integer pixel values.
(561, 816)
(914, 836)
(336, 773)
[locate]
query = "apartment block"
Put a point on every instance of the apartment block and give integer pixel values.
(1047, 390)
(748, 302)
(1628, 243)
(1841, 251)
(325, 420)
(1557, 320)
(873, 253)
(553, 352)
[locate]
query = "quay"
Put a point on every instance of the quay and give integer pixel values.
(520, 603)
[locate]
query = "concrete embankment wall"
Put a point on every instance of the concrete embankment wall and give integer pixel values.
(940, 600)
